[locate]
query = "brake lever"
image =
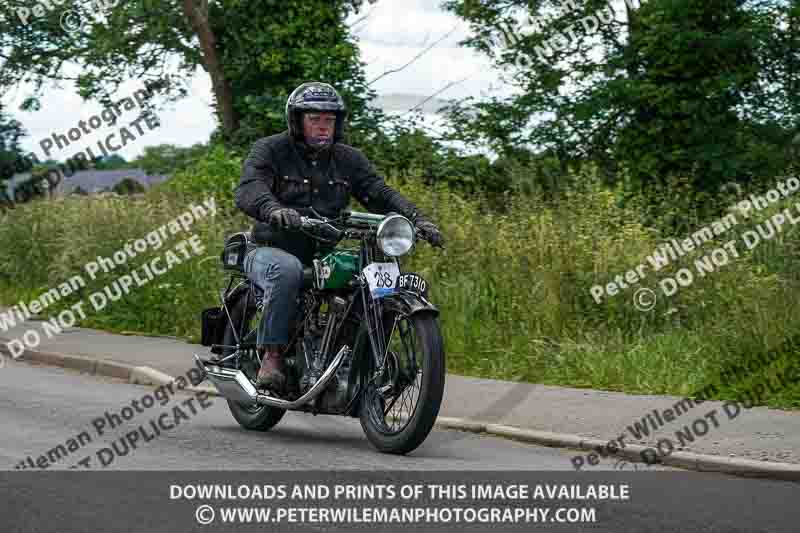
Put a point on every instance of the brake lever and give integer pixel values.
(316, 214)
(425, 236)
(322, 229)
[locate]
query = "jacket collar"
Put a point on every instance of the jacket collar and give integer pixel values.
(311, 154)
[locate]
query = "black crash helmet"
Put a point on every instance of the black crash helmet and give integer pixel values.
(315, 96)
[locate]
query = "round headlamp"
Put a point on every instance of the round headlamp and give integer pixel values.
(395, 235)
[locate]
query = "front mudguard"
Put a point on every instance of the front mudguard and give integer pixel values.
(408, 303)
(401, 302)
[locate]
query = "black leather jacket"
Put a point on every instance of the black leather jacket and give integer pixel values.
(279, 172)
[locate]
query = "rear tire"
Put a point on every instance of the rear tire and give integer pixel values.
(259, 417)
(431, 391)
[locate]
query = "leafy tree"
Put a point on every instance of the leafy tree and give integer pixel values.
(11, 160)
(112, 162)
(128, 186)
(406, 148)
(167, 158)
(696, 88)
(253, 50)
(296, 42)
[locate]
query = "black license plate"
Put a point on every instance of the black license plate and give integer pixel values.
(412, 282)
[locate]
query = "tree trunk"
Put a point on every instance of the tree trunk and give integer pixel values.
(633, 35)
(198, 18)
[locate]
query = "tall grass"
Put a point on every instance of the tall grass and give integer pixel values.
(513, 288)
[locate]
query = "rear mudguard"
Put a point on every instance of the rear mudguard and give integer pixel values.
(240, 291)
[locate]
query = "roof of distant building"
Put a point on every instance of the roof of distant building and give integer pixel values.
(95, 180)
(92, 180)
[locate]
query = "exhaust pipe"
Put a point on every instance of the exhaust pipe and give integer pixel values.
(235, 386)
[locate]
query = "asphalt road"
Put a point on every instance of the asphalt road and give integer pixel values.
(47, 406)
(44, 407)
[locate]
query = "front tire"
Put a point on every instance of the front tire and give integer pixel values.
(258, 417)
(430, 379)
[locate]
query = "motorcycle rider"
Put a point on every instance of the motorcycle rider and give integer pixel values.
(303, 170)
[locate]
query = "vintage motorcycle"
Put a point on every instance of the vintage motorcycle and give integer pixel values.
(366, 342)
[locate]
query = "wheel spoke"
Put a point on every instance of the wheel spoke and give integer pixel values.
(403, 336)
(409, 375)
(390, 405)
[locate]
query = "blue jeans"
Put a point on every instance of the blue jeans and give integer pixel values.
(280, 275)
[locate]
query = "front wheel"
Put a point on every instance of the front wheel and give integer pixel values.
(400, 406)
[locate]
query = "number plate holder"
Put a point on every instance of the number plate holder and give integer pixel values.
(381, 278)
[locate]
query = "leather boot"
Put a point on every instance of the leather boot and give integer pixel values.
(271, 375)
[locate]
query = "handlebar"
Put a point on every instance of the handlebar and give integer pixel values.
(350, 220)
(310, 223)
(356, 220)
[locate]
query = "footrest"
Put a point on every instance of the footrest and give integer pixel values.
(201, 364)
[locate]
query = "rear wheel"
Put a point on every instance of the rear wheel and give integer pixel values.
(400, 406)
(254, 417)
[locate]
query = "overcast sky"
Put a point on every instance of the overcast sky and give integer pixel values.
(394, 32)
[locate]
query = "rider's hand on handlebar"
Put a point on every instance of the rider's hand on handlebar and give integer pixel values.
(430, 233)
(285, 218)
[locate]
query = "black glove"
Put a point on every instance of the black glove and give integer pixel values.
(430, 232)
(285, 218)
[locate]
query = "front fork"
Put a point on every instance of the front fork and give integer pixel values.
(379, 344)
(374, 317)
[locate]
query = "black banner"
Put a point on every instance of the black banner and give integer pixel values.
(619, 502)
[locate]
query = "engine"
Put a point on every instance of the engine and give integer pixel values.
(321, 321)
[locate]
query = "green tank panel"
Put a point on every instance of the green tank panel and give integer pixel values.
(336, 269)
